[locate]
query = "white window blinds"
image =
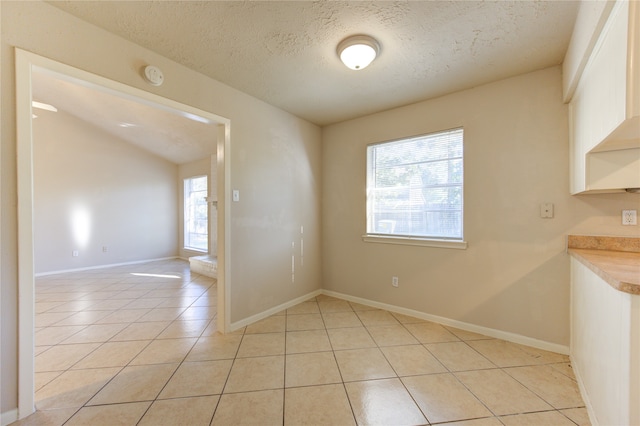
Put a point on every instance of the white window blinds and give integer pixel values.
(415, 186)
(196, 223)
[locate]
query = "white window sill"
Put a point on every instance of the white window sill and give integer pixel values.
(415, 241)
(195, 250)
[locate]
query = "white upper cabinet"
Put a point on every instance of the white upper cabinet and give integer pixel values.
(604, 107)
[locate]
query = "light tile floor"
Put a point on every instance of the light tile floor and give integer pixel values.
(138, 345)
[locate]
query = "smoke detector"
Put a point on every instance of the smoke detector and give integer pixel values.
(153, 75)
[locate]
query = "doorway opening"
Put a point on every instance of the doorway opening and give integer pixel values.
(28, 67)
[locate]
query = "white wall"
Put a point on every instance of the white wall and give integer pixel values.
(274, 157)
(195, 168)
(514, 276)
(92, 190)
(605, 346)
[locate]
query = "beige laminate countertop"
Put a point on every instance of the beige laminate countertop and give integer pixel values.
(613, 259)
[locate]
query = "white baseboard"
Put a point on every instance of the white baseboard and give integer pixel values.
(9, 417)
(262, 315)
(491, 332)
(89, 268)
(583, 393)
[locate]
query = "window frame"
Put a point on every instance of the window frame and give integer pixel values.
(186, 217)
(412, 240)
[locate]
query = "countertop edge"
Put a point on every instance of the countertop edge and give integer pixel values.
(604, 271)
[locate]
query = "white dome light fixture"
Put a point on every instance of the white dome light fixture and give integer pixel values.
(358, 51)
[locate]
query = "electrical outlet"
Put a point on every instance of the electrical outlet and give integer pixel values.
(394, 281)
(629, 217)
(75, 253)
(546, 210)
(105, 249)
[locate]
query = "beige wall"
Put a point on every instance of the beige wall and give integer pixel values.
(128, 197)
(275, 163)
(514, 276)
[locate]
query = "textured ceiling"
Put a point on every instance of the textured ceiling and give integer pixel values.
(284, 52)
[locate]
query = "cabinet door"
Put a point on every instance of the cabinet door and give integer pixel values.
(605, 106)
(599, 104)
(601, 349)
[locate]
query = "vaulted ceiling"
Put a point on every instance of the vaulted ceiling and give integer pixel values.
(163, 132)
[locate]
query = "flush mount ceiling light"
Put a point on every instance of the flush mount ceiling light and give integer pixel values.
(44, 106)
(358, 51)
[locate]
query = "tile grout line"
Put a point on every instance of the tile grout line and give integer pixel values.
(128, 364)
(284, 368)
(286, 314)
(226, 382)
(335, 359)
(402, 381)
(464, 385)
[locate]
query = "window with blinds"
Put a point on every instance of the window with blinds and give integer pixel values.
(196, 221)
(415, 187)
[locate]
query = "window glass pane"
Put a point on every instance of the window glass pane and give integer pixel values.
(440, 172)
(415, 186)
(196, 224)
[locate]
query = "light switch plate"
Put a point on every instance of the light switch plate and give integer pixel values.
(236, 195)
(546, 210)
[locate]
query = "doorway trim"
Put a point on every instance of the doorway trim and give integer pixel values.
(26, 62)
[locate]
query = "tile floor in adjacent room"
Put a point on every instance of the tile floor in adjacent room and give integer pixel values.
(137, 345)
